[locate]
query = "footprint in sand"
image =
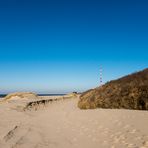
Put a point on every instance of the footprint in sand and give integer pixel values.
(94, 131)
(116, 140)
(73, 129)
(95, 123)
(58, 131)
(126, 126)
(85, 129)
(82, 127)
(118, 123)
(133, 131)
(112, 146)
(124, 142)
(81, 133)
(138, 138)
(122, 137)
(104, 142)
(106, 132)
(94, 139)
(112, 135)
(100, 127)
(118, 133)
(145, 144)
(74, 140)
(130, 145)
(115, 121)
(89, 136)
(144, 137)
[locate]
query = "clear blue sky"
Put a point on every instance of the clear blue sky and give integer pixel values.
(57, 46)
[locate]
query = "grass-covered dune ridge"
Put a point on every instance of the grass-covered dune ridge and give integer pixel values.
(129, 92)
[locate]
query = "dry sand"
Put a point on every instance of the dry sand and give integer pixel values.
(62, 125)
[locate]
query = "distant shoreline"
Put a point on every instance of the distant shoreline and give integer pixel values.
(3, 95)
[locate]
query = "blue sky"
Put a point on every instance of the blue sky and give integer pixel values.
(58, 46)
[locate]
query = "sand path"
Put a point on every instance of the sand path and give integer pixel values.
(63, 125)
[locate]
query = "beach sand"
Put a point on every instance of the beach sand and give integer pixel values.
(62, 124)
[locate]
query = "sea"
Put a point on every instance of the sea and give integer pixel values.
(3, 95)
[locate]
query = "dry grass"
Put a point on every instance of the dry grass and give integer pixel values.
(20, 95)
(129, 92)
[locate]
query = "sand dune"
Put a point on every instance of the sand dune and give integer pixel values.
(61, 124)
(128, 92)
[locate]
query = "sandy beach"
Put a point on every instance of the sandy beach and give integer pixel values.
(61, 124)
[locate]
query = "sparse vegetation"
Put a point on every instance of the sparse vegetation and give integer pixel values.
(21, 95)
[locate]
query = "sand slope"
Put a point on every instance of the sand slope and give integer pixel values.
(62, 125)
